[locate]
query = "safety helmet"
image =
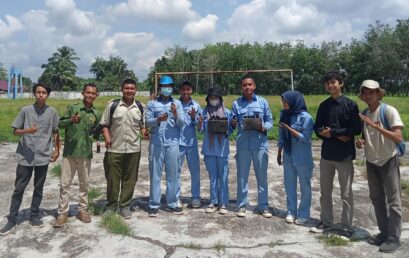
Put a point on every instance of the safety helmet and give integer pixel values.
(165, 80)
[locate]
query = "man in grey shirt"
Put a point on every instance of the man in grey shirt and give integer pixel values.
(37, 125)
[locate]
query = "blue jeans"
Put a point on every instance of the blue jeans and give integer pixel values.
(260, 163)
(304, 174)
(192, 157)
(158, 156)
(218, 168)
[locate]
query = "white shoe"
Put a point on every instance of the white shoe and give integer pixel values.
(289, 219)
(242, 212)
(266, 214)
(180, 204)
(211, 208)
(223, 210)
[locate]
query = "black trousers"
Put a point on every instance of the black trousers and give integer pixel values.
(23, 177)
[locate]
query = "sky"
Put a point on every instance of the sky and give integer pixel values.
(140, 30)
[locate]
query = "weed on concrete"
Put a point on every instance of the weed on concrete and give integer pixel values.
(114, 224)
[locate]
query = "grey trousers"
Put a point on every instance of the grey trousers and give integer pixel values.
(345, 171)
(385, 194)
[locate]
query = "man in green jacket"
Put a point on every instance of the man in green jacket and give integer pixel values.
(79, 121)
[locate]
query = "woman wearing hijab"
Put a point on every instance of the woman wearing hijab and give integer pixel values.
(216, 149)
(296, 126)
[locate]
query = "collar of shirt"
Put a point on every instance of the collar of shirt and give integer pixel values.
(252, 98)
(39, 110)
(122, 103)
(338, 99)
(186, 104)
(82, 107)
(162, 100)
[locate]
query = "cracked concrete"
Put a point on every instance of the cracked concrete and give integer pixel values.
(194, 234)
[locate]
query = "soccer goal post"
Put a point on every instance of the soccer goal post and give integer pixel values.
(211, 73)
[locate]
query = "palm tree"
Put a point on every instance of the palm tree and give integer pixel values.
(60, 68)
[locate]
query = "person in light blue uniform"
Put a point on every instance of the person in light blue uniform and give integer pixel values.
(188, 142)
(294, 137)
(252, 145)
(216, 150)
(165, 117)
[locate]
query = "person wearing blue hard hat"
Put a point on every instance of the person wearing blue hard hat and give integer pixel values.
(165, 118)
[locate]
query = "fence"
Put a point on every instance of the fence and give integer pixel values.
(75, 94)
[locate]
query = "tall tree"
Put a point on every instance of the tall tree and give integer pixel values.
(60, 69)
(110, 73)
(3, 72)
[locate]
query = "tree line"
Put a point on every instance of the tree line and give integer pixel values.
(382, 54)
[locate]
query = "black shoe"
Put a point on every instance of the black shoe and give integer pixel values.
(377, 240)
(176, 210)
(36, 222)
(7, 228)
(389, 246)
(320, 228)
(153, 212)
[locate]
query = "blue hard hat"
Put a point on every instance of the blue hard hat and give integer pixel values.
(165, 80)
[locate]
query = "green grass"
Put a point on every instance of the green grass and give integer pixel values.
(333, 240)
(114, 224)
(192, 246)
(219, 247)
(273, 244)
(56, 170)
(405, 187)
(10, 109)
(93, 193)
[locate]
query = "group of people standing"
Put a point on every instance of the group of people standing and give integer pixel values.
(171, 126)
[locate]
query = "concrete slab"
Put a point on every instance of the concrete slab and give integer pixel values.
(194, 234)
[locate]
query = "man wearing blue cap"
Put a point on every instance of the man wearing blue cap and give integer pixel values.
(165, 118)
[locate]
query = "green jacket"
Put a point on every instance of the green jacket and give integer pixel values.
(78, 141)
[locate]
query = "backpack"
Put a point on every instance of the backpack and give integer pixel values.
(97, 130)
(115, 104)
(400, 147)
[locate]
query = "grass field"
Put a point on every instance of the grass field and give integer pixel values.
(10, 108)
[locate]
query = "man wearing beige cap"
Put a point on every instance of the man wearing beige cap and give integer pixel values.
(382, 134)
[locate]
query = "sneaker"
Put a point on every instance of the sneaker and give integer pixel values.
(300, 221)
(196, 203)
(36, 222)
(377, 240)
(125, 213)
(7, 228)
(211, 208)
(266, 214)
(180, 204)
(60, 221)
(289, 219)
(153, 212)
(389, 246)
(177, 210)
(84, 217)
(320, 228)
(223, 210)
(242, 212)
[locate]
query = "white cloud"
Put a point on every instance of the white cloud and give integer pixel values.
(139, 50)
(65, 16)
(202, 29)
(174, 11)
(7, 29)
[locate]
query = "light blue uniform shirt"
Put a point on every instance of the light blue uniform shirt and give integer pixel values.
(167, 133)
(251, 139)
(218, 150)
(188, 132)
(301, 153)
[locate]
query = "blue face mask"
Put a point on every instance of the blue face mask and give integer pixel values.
(166, 91)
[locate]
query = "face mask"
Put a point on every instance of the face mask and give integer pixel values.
(166, 91)
(214, 102)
